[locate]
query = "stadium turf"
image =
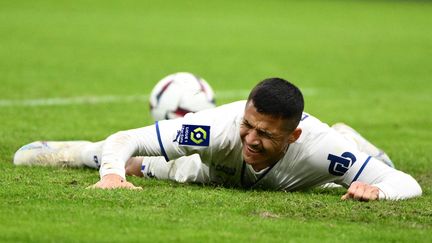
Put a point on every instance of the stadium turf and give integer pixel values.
(366, 63)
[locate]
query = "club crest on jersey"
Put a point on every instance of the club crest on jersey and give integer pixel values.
(339, 165)
(194, 135)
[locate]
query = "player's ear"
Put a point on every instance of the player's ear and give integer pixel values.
(295, 135)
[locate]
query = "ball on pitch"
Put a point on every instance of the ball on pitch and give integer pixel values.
(178, 94)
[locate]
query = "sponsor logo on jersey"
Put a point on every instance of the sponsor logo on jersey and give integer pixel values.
(339, 165)
(225, 169)
(96, 160)
(194, 135)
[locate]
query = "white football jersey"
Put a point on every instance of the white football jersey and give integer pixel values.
(319, 156)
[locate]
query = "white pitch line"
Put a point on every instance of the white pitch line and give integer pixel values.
(222, 94)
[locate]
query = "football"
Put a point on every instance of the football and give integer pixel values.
(178, 94)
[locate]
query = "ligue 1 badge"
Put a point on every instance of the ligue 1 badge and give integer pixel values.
(194, 135)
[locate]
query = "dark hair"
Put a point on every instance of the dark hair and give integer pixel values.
(279, 98)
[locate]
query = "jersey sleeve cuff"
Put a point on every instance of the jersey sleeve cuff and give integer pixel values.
(118, 171)
(385, 192)
(381, 195)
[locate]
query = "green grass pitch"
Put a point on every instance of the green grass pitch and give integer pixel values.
(366, 63)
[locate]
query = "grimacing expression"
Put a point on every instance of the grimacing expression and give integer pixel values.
(265, 138)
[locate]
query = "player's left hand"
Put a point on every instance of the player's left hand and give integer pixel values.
(361, 191)
(113, 181)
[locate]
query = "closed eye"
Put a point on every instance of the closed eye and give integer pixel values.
(261, 133)
(247, 124)
(264, 134)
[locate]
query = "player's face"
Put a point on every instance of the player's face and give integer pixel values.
(265, 138)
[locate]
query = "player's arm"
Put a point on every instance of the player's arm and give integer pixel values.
(373, 180)
(169, 138)
(118, 148)
(365, 177)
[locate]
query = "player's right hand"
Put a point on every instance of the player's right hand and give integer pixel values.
(362, 192)
(113, 181)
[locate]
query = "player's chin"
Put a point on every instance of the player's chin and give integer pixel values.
(251, 157)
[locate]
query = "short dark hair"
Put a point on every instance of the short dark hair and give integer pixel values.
(279, 98)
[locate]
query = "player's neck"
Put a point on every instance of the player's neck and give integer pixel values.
(257, 172)
(262, 166)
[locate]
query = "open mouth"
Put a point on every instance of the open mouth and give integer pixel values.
(252, 151)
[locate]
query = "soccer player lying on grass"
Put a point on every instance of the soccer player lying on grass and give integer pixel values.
(265, 142)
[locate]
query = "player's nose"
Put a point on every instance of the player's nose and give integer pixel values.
(252, 138)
